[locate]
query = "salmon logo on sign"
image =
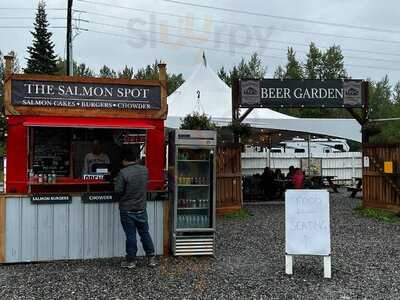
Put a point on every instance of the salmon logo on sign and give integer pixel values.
(250, 92)
(352, 93)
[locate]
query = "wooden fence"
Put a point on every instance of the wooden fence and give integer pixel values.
(229, 178)
(380, 189)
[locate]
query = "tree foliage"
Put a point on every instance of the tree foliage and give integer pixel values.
(294, 69)
(151, 72)
(42, 58)
(253, 68)
(127, 73)
(383, 105)
(3, 123)
(196, 121)
(320, 64)
(106, 72)
(79, 69)
(323, 65)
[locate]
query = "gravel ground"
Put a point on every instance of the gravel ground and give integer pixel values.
(249, 265)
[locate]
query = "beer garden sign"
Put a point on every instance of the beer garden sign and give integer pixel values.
(274, 93)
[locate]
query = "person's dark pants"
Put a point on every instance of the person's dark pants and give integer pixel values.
(132, 222)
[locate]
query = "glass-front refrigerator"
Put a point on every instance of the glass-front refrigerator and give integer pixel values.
(192, 188)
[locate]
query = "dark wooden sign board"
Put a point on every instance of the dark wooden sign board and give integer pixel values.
(85, 97)
(50, 198)
(99, 197)
(276, 93)
(285, 98)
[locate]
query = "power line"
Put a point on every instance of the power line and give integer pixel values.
(29, 18)
(244, 12)
(28, 8)
(177, 44)
(221, 50)
(235, 44)
(241, 24)
(230, 35)
(22, 26)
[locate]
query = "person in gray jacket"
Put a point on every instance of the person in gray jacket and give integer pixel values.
(130, 188)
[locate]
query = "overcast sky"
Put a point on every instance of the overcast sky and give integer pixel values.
(169, 33)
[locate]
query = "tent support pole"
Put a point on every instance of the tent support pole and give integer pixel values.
(246, 113)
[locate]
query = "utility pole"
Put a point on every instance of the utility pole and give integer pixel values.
(70, 65)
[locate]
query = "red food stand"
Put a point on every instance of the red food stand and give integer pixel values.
(58, 202)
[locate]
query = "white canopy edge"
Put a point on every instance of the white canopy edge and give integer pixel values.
(348, 129)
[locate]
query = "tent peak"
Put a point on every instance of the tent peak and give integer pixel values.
(204, 59)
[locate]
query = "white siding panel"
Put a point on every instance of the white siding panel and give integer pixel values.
(37, 232)
(45, 230)
(91, 230)
(75, 232)
(106, 236)
(60, 231)
(29, 234)
(13, 230)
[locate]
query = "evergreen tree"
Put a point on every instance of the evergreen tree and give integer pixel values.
(333, 64)
(42, 58)
(150, 72)
(293, 67)
(83, 70)
(223, 74)
(245, 69)
(313, 67)
(106, 72)
(382, 107)
(16, 69)
(127, 73)
(279, 73)
(396, 94)
(79, 69)
(196, 121)
(320, 64)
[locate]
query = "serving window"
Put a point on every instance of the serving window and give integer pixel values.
(79, 156)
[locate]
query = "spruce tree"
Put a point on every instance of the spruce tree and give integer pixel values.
(106, 72)
(42, 58)
(253, 68)
(294, 69)
(126, 73)
(313, 67)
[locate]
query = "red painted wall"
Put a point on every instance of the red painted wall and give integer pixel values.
(17, 155)
(17, 152)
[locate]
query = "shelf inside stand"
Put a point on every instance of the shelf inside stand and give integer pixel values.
(193, 208)
(193, 160)
(200, 185)
(65, 184)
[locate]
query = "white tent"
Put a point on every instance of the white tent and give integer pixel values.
(205, 92)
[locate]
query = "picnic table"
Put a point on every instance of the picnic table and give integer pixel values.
(280, 186)
(357, 187)
(319, 182)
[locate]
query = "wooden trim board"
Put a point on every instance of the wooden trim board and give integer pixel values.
(2, 228)
(166, 229)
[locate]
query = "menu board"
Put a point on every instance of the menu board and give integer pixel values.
(307, 222)
(51, 150)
